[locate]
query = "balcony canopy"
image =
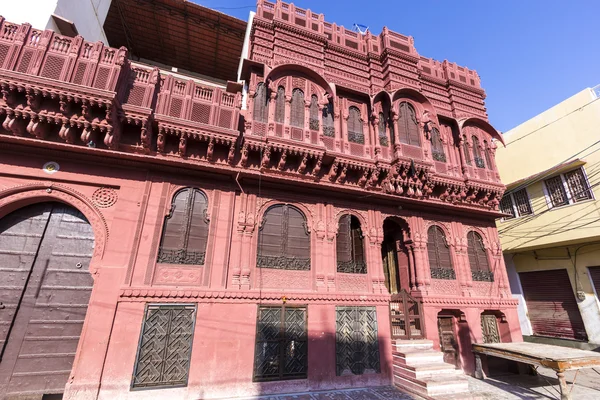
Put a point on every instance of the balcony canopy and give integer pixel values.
(178, 33)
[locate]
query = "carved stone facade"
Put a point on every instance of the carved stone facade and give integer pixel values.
(351, 134)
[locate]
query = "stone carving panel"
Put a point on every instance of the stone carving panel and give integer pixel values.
(352, 283)
(178, 276)
(444, 286)
(281, 279)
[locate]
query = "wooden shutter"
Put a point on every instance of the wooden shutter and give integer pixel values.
(440, 260)
(522, 202)
(486, 153)
(480, 267)
(357, 242)
(198, 224)
(355, 128)
(408, 125)
(314, 113)
(383, 139)
(477, 153)
(578, 186)
(551, 304)
(297, 108)
(297, 238)
(437, 147)
(280, 105)
(344, 240)
(328, 126)
(173, 237)
(260, 103)
(466, 150)
(556, 191)
(270, 239)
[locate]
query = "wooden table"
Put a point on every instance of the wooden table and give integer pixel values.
(557, 358)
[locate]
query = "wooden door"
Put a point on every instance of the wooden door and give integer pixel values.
(448, 342)
(45, 250)
(489, 328)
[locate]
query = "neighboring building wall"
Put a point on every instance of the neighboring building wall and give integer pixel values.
(565, 138)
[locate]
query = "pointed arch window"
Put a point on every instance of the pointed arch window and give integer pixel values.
(328, 127)
(486, 153)
(355, 128)
(283, 239)
(261, 103)
(314, 113)
(480, 267)
(408, 127)
(477, 153)
(440, 260)
(297, 108)
(437, 147)
(280, 105)
(466, 150)
(350, 247)
(382, 127)
(185, 230)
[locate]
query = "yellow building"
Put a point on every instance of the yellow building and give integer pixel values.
(551, 234)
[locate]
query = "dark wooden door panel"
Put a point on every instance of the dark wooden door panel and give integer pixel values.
(41, 346)
(448, 342)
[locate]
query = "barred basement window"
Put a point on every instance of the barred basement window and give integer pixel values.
(185, 231)
(440, 261)
(477, 153)
(349, 246)
(408, 127)
(314, 113)
(163, 357)
(297, 108)
(356, 344)
(437, 147)
(328, 127)
(261, 103)
(280, 105)
(383, 139)
(466, 150)
(355, 126)
(480, 267)
(281, 344)
(283, 239)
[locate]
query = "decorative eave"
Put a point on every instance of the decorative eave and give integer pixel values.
(282, 24)
(460, 85)
(387, 52)
(345, 51)
(432, 79)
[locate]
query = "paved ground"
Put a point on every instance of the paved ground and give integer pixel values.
(509, 387)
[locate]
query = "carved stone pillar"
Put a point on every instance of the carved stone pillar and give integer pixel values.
(422, 271)
(288, 115)
(397, 146)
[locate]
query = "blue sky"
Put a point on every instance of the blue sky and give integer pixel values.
(530, 54)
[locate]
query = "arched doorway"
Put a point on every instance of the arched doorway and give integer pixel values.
(395, 255)
(45, 251)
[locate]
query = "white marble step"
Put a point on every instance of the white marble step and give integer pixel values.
(417, 356)
(422, 344)
(433, 386)
(419, 371)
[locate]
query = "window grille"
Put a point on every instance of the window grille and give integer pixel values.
(185, 231)
(383, 139)
(440, 261)
(477, 153)
(163, 358)
(480, 267)
(437, 147)
(261, 103)
(297, 108)
(281, 344)
(314, 113)
(328, 127)
(578, 186)
(355, 128)
(506, 206)
(408, 127)
(522, 202)
(280, 105)
(283, 239)
(556, 191)
(349, 246)
(356, 342)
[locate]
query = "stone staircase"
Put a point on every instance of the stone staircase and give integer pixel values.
(420, 369)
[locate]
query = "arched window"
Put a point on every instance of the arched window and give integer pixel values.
(383, 139)
(349, 246)
(280, 105)
(355, 128)
(437, 147)
(480, 267)
(466, 150)
(297, 108)
(283, 239)
(185, 231)
(408, 127)
(477, 153)
(314, 113)
(261, 103)
(328, 128)
(440, 261)
(486, 153)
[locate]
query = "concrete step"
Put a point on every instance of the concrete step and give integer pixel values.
(417, 356)
(422, 344)
(460, 396)
(419, 371)
(434, 386)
